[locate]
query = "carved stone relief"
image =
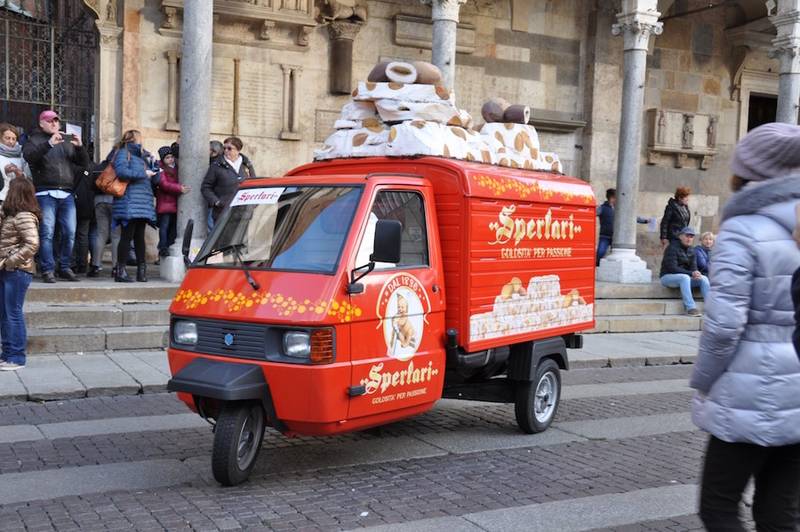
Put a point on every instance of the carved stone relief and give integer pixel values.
(284, 24)
(681, 139)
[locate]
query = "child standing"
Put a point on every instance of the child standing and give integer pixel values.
(19, 241)
(169, 188)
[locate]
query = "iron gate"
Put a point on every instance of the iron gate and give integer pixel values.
(49, 64)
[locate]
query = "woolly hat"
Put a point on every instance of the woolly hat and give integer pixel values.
(163, 151)
(771, 150)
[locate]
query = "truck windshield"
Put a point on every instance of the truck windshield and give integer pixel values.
(282, 228)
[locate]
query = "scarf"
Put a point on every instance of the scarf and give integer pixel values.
(11, 153)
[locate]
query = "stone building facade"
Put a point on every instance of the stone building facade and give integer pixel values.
(279, 68)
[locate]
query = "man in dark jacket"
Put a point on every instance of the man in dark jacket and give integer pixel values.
(51, 157)
(606, 214)
(679, 270)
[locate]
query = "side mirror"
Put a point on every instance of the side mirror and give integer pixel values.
(388, 236)
(187, 242)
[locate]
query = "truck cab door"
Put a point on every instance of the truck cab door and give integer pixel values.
(398, 344)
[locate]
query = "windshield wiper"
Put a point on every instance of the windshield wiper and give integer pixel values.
(245, 269)
(236, 248)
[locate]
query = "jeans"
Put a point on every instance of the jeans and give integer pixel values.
(686, 283)
(102, 214)
(727, 469)
(167, 231)
(61, 212)
(602, 248)
(13, 286)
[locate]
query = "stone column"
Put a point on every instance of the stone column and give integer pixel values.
(786, 47)
(638, 20)
(444, 14)
(343, 33)
(107, 88)
(195, 121)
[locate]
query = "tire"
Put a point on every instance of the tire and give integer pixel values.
(237, 442)
(536, 414)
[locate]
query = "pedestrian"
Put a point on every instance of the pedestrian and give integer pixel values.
(84, 213)
(224, 175)
(53, 160)
(134, 210)
(169, 189)
(103, 205)
(215, 150)
(19, 241)
(11, 162)
(703, 252)
(679, 270)
(606, 214)
(747, 373)
(676, 216)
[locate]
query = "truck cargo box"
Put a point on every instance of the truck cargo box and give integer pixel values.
(518, 246)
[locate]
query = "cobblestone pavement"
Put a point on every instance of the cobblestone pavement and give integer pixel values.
(451, 463)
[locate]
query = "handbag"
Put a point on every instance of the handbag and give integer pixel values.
(108, 182)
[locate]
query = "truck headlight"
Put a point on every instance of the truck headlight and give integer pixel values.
(184, 332)
(296, 344)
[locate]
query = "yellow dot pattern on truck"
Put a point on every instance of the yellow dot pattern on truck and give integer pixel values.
(282, 305)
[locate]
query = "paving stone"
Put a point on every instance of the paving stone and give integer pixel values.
(100, 375)
(49, 378)
(149, 378)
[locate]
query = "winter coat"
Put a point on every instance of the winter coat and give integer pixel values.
(678, 259)
(11, 156)
(606, 214)
(19, 242)
(796, 301)
(84, 192)
(137, 203)
(169, 188)
(676, 217)
(702, 255)
(747, 371)
(221, 182)
(52, 166)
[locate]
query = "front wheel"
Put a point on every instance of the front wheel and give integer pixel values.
(536, 402)
(237, 441)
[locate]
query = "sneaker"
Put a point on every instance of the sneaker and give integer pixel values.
(694, 312)
(48, 277)
(68, 275)
(11, 366)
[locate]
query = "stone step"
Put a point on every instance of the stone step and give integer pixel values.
(49, 316)
(637, 291)
(86, 339)
(638, 307)
(104, 291)
(646, 323)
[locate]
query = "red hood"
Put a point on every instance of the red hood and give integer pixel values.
(283, 297)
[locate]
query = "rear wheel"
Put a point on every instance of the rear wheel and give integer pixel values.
(536, 402)
(237, 442)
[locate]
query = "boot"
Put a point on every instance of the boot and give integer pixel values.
(141, 272)
(121, 274)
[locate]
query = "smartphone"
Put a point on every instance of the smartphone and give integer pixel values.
(67, 137)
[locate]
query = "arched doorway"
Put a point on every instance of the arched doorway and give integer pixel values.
(49, 52)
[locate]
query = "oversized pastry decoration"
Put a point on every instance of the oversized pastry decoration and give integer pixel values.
(403, 110)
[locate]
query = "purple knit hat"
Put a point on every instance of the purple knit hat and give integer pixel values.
(771, 150)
